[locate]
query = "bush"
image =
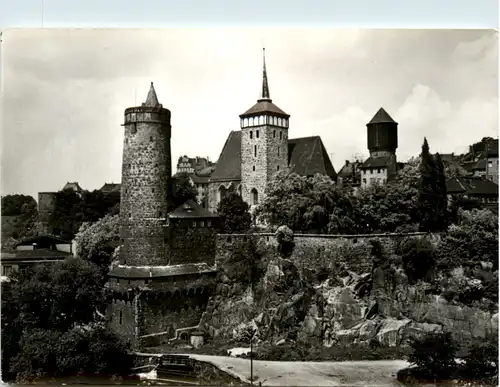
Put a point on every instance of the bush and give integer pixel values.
(434, 355)
(482, 360)
(418, 258)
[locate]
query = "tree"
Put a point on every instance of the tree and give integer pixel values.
(234, 215)
(305, 203)
(72, 209)
(19, 217)
(390, 207)
(96, 242)
(182, 189)
(442, 194)
(418, 258)
(428, 195)
(434, 355)
(474, 238)
(41, 306)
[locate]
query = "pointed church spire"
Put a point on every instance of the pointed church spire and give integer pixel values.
(152, 99)
(265, 86)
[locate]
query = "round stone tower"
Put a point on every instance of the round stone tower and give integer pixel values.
(382, 136)
(146, 173)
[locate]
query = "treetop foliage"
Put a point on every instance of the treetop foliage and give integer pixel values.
(234, 215)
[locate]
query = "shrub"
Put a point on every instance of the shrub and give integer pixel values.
(434, 355)
(418, 258)
(482, 360)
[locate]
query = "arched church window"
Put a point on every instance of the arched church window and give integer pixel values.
(255, 196)
(280, 121)
(221, 193)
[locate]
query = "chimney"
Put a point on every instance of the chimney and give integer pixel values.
(347, 162)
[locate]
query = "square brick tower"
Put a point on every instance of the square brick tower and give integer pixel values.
(264, 144)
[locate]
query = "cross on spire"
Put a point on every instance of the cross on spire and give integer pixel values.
(265, 87)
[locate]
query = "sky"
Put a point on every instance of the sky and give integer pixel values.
(65, 92)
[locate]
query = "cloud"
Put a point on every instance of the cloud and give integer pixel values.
(65, 92)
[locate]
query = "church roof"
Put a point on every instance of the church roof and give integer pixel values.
(306, 156)
(190, 209)
(381, 117)
(229, 164)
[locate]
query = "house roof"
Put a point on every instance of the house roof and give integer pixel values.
(471, 185)
(348, 169)
(376, 162)
(190, 209)
(159, 271)
(307, 156)
(381, 117)
(42, 240)
(110, 187)
(228, 166)
(34, 254)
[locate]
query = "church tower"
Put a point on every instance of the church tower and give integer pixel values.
(264, 144)
(146, 173)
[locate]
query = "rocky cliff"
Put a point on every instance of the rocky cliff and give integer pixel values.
(270, 294)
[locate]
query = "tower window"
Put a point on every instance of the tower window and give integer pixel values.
(209, 223)
(255, 150)
(255, 196)
(253, 168)
(129, 215)
(281, 135)
(274, 133)
(121, 317)
(194, 223)
(126, 141)
(278, 151)
(152, 190)
(151, 138)
(257, 133)
(251, 134)
(277, 167)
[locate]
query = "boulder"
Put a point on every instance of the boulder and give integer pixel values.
(389, 334)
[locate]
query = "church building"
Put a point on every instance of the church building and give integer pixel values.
(262, 147)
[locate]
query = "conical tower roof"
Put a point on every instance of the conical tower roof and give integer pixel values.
(382, 117)
(264, 103)
(152, 99)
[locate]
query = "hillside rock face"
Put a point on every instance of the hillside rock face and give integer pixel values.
(339, 306)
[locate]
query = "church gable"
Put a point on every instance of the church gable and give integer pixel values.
(307, 156)
(229, 164)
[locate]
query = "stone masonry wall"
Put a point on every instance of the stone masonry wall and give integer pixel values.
(266, 160)
(126, 326)
(146, 172)
(351, 251)
(190, 245)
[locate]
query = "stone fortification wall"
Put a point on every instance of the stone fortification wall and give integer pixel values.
(315, 250)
